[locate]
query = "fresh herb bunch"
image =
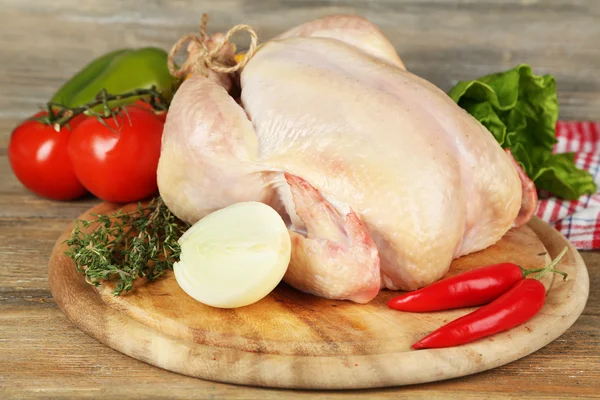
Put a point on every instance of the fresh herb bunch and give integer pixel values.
(125, 246)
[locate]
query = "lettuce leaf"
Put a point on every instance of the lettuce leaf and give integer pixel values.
(521, 110)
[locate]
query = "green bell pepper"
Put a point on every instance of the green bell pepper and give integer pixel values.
(118, 72)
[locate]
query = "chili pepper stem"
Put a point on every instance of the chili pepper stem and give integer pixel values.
(548, 268)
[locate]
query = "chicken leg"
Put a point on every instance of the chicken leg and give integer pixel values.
(332, 256)
(210, 160)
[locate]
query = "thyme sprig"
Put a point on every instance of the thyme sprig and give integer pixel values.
(124, 246)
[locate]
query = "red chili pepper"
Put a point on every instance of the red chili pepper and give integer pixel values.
(513, 308)
(473, 288)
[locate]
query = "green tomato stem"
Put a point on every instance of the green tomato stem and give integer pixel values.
(59, 115)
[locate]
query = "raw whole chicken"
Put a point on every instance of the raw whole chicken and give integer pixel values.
(382, 179)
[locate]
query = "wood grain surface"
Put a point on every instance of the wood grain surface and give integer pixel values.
(43, 355)
(294, 340)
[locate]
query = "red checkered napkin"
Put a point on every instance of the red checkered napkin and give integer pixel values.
(578, 220)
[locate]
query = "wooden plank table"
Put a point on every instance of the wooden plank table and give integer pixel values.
(42, 355)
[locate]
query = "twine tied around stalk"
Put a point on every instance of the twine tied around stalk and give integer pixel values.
(201, 58)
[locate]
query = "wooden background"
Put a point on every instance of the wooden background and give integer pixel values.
(42, 43)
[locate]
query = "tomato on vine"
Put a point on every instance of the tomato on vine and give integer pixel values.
(39, 158)
(116, 157)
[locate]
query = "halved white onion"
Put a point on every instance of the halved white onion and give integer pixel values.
(235, 256)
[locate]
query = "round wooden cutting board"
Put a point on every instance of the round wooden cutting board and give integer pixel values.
(295, 340)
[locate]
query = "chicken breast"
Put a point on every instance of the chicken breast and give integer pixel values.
(381, 177)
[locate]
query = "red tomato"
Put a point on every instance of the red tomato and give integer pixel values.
(39, 158)
(117, 162)
(161, 115)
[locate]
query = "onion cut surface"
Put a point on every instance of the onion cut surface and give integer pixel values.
(235, 256)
